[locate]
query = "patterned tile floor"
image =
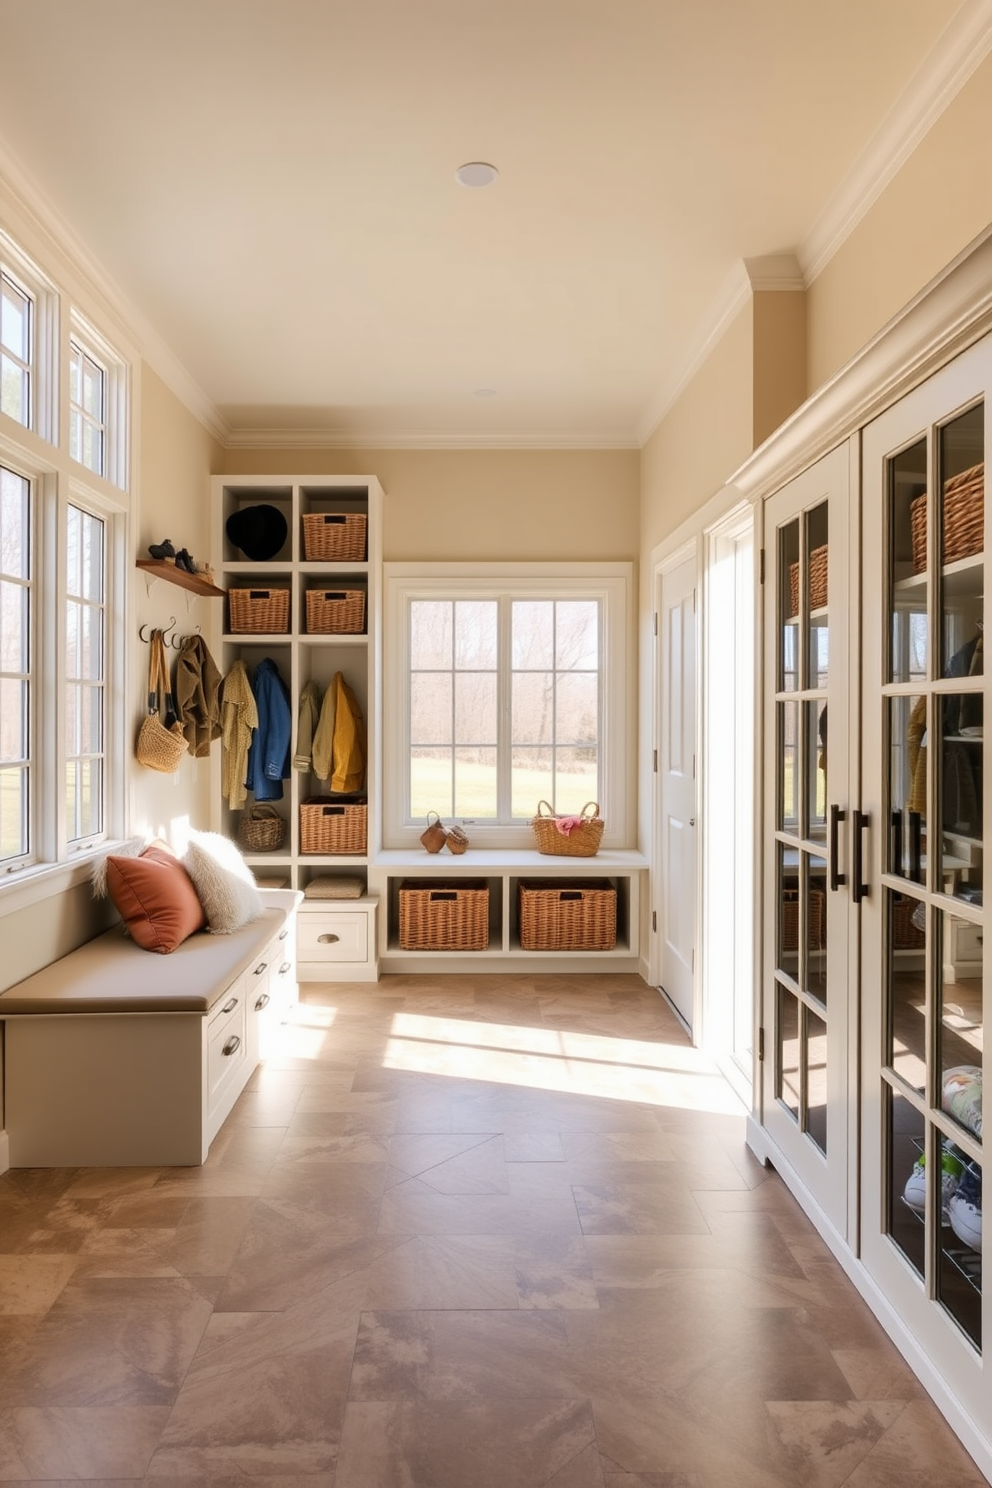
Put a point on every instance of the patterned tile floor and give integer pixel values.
(459, 1232)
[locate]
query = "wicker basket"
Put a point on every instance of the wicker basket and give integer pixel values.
(569, 915)
(905, 935)
(581, 842)
(258, 611)
(436, 916)
(818, 566)
(964, 519)
(817, 919)
(339, 536)
(330, 824)
(335, 611)
(262, 829)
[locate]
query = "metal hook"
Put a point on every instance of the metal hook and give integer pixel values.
(145, 638)
(171, 626)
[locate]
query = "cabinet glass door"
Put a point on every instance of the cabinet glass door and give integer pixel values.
(923, 922)
(805, 973)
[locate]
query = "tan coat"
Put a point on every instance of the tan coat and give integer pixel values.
(239, 719)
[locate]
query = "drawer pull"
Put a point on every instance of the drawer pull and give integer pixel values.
(262, 1002)
(328, 939)
(233, 1045)
(286, 966)
(260, 967)
(230, 1006)
(283, 933)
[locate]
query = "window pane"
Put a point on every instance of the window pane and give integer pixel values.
(475, 708)
(475, 783)
(533, 633)
(14, 701)
(84, 805)
(532, 780)
(576, 709)
(476, 634)
(15, 494)
(13, 813)
(431, 783)
(532, 707)
(576, 780)
(15, 321)
(75, 435)
(430, 708)
(14, 385)
(431, 633)
(92, 556)
(91, 643)
(92, 399)
(13, 627)
(84, 720)
(577, 634)
(75, 359)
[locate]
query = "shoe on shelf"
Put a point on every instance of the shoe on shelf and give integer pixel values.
(966, 1208)
(162, 549)
(951, 1172)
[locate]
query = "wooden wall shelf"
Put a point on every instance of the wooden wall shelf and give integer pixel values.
(158, 568)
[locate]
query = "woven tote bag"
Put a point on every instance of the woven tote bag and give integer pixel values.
(160, 746)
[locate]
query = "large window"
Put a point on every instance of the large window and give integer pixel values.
(85, 650)
(16, 665)
(506, 686)
(16, 349)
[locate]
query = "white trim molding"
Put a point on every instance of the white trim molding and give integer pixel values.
(286, 437)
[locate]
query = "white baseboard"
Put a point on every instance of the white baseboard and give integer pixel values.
(973, 1438)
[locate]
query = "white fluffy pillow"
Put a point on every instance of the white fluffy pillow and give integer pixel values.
(133, 847)
(223, 881)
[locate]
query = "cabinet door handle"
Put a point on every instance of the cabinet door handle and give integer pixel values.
(836, 877)
(230, 1006)
(262, 1002)
(859, 889)
(233, 1045)
(283, 933)
(286, 966)
(915, 845)
(328, 939)
(261, 967)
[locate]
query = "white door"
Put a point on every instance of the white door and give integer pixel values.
(807, 939)
(677, 766)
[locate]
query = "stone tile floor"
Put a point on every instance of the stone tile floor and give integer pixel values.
(493, 1232)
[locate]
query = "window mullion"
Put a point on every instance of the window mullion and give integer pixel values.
(504, 711)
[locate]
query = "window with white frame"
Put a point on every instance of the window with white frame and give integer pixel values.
(98, 409)
(506, 686)
(85, 673)
(16, 665)
(16, 349)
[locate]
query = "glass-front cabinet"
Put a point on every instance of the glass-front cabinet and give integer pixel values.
(805, 1011)
(923, 831)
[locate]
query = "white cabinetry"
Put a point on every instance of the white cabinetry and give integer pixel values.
(304, 654)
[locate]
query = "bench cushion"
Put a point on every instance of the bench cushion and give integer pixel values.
(113, 975)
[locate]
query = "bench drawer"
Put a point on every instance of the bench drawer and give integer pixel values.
(334, 938)
(227, 1051)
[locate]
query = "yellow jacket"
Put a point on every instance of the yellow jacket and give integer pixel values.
(349, 739)
(239, 718)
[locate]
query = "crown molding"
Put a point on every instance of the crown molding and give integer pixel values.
(53, 238)
(376, 439)
(774, 271)
(958, 52)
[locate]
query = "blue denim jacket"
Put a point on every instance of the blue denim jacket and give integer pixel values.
(268, 757)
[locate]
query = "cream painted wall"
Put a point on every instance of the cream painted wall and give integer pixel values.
(705, 435)
(451, 505)
(176, 457)
(937, 204)
(779, 362)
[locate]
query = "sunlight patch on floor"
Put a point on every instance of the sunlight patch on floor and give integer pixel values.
(657, 1074)
(305, 1035)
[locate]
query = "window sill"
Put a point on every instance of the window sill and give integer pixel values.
(513, 860)
(28, 886)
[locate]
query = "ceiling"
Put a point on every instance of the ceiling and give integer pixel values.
(271, 188)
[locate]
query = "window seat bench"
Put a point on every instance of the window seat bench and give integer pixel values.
(119, 1057)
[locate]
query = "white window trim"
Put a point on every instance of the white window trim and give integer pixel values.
(612, 583)
(115, 391)
(53, 864)
(44, 419)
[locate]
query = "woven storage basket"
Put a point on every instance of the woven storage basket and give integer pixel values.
(335, 611)
(262, 829)
(790, 919)
(437, 916)
(964, 519)
(329, 825)
(818, 566)
(335, 535)
(258, 611)
(581, 842)
(574, 915)
(905, 935)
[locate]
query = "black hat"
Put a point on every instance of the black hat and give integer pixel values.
(259, 531)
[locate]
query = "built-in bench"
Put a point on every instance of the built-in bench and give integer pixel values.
(116, 1057)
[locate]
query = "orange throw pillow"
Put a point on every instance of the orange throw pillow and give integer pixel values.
(155, 898)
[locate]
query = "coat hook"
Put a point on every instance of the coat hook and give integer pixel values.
(165, 633)
(145, 638)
